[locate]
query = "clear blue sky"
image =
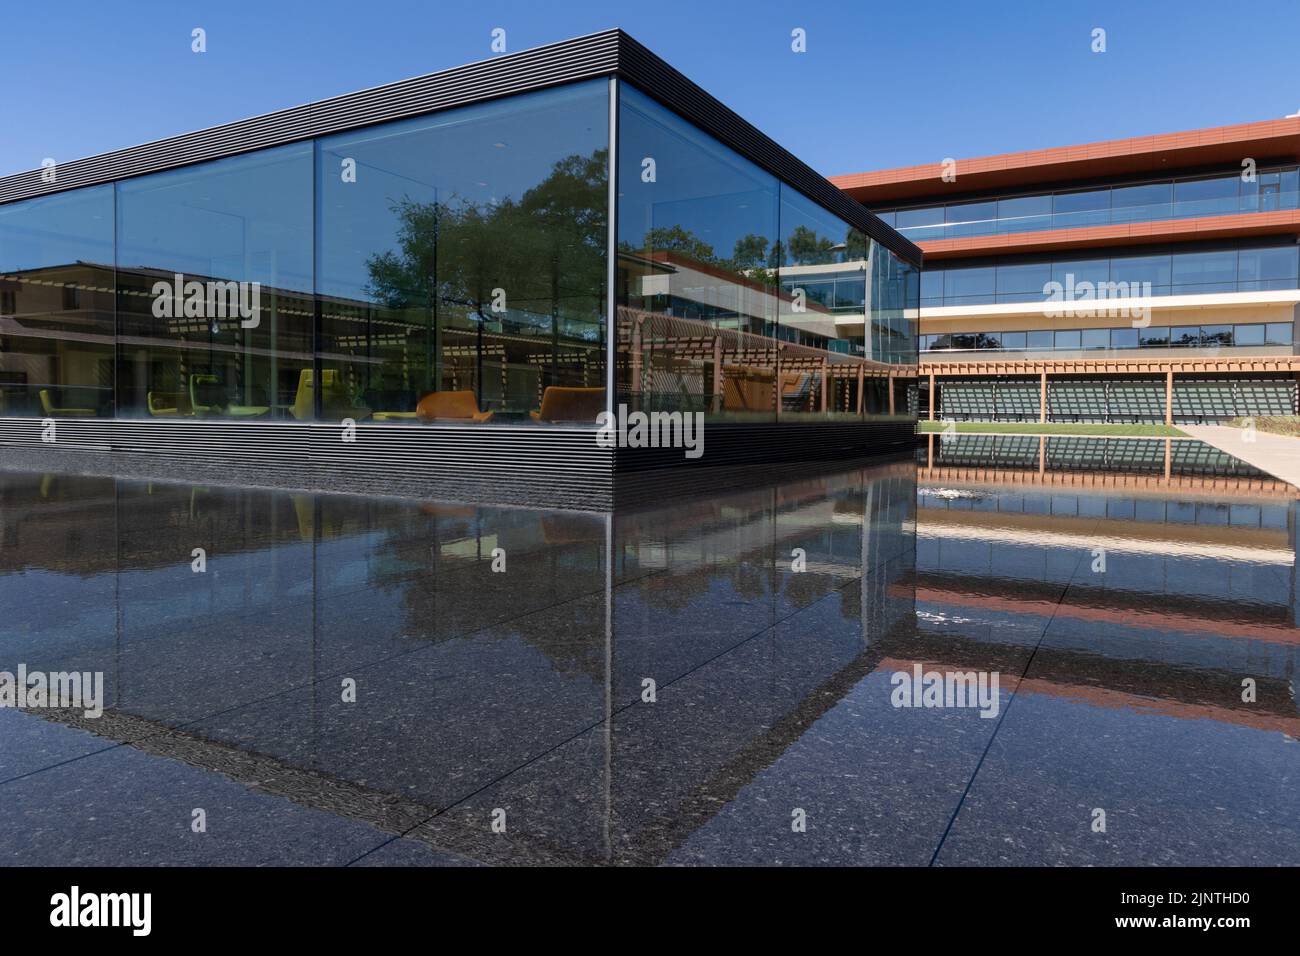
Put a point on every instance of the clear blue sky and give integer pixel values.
(882, 84)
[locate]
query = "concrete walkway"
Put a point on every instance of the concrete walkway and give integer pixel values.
(1278, 455)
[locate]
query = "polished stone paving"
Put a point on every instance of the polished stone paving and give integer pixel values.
(350, 682)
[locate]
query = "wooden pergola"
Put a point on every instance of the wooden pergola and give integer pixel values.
(641, 334)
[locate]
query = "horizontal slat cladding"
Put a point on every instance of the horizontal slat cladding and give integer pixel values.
(524, 465)
(656, 78)
(735, 444)
(582, 58)
(585, 57)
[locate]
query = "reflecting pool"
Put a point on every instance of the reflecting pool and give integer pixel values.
(715, 679)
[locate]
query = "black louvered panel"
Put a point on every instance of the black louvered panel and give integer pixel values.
(735, 444)
(556, 466)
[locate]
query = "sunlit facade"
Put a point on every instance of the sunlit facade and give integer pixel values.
(1145, 280)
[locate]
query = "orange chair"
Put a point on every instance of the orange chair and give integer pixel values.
(747, 389)
(564, 404)
(450, 407)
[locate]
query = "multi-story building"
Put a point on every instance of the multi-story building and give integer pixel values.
(1152, 279)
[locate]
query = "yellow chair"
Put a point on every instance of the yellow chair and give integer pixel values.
(54, 411)
(196, 382)
(169, 404)
(335, 402)
(564, 404)
(459, 406)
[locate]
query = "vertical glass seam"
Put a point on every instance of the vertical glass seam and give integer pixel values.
(611, 266)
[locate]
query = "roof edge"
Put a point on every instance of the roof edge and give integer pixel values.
(605, 53)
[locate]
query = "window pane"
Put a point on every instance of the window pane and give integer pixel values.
(1123, 338)
(56, 296)
(1024, 214)
(1068, 339)
(851, 294)
(931, 286)
(1013, 340)
(1154, 337)
(1081, 270)
(1039, 341)
(1289, 197)
(1140, 270)
(1186, 335)
(1248, 335)
(241, 226)
(1081, 209)
(1264, 264)
(1216, 336)
(1096, 338)
(970, 219)
(446, 209)
(924, 223)
(701, 245)
(960, 284)
(1143, 203)
(1204, 268)
(1024, 282)
(1279, 333)
(1206, 197)
(815, 244)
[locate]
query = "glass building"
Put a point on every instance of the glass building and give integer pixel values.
(518, 244)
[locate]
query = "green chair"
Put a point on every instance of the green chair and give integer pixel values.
(56, 411)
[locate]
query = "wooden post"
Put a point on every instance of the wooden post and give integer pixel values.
(861, 385)
(776, 375)
(1042, 397)
(717, 373)
(1168, 458)
(1042, 454)
(823, 386)
(931, 396)
(891, 393)
(634, 389)
(1169, 397)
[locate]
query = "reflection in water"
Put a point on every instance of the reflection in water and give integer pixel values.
(1155, 629)
(659, 684)
(526, 688)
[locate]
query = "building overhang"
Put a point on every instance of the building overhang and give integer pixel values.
(1140, 155)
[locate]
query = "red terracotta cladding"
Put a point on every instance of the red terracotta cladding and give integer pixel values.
(1270, 140)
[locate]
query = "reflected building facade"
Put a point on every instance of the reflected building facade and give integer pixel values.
(521, 244)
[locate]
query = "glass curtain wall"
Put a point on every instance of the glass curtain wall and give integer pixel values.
(452, 268)
(741, 298)
(449, 268)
